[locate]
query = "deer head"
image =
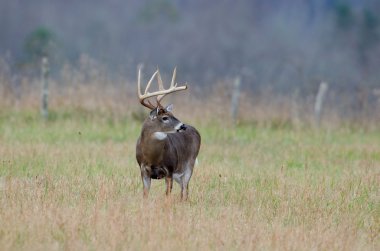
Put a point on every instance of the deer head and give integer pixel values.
(161, 120)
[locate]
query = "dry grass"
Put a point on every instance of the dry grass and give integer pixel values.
(72, 183)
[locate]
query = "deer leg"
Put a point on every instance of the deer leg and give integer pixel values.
(169, 185)
(185, 184)
(184, 192)
(146, 181)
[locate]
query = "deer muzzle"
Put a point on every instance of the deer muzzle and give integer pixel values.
(181, 127)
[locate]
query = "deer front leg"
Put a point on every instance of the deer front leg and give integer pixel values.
(146, 180)
(146, 184)
(169, 185)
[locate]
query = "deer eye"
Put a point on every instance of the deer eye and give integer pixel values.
(165, 118)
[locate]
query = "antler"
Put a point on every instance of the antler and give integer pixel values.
(161, 93)
(145, 96)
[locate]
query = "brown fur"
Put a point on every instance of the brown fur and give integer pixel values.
(173, 156)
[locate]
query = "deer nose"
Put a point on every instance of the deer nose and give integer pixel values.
(180, 127)
(183, 127)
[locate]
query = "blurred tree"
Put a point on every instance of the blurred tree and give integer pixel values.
(40, 43)
(157, 9)
(208, 41)
(369, 35)
(344, 16)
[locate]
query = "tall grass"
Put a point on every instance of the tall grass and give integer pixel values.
(72, 182)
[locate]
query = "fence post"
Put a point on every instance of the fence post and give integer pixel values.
(45, 85)
(235, 99)
(323, 87)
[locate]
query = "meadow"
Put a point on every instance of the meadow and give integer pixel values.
(269, 182)
(72, 183)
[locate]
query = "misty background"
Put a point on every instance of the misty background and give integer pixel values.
(275, 46)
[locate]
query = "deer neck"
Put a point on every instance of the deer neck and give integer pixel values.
(153, 145)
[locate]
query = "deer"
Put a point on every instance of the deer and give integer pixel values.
(166, 147)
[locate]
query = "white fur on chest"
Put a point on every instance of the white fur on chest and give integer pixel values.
(160, 135)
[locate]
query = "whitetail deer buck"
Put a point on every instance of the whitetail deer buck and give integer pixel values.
(166, 147)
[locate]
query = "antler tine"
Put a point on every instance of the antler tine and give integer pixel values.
(160, 87)
(158, 94)
(150, 82)
(139, 83)
(173, 87)
(173, 78)
(159, 80)
(141, 96)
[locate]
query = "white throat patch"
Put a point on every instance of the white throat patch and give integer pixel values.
(160, 135)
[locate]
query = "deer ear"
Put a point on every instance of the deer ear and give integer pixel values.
(169, 108)
(153, 113)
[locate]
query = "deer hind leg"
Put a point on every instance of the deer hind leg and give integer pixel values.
(169, 185)
(185, 183)
(145, 179)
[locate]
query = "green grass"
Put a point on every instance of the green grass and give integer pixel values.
(72, 182)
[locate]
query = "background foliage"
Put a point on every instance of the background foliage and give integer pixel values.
(274, 44)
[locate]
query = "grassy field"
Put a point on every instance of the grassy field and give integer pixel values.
(72, 183)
